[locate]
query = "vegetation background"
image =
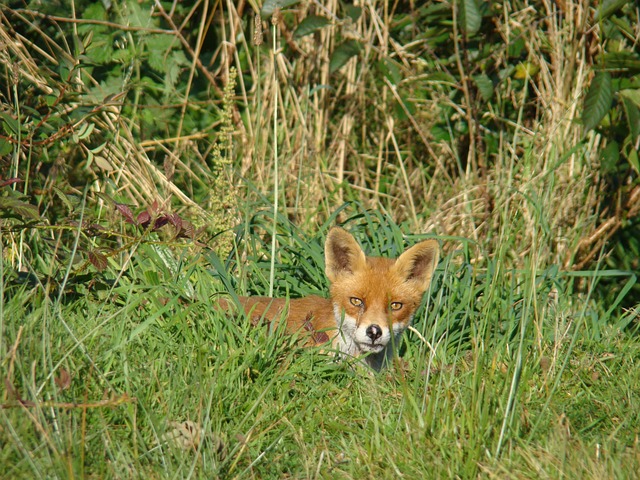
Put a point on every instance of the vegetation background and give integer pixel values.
(157, 154)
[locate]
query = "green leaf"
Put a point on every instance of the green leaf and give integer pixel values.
(631, 104)
(484, 86)
(137, 15)
(391, 70)
(94, 11)
(100, 51)
(66, 199)
(352, 11)
(609, 157)
(470, 17)
(270, 6)
(626, 60)
(598, 100)
(13, 207)
(607, 8)
(343, 53)
(12, 125)
(633, 160)
(309, 25)
(5, 147)
(631, 94)
(525, 70)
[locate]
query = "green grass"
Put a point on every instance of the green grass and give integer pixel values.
(506, 375)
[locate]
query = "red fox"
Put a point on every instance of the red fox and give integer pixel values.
(372, 299)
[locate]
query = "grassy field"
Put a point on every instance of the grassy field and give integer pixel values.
(505, 375)
(157, 156)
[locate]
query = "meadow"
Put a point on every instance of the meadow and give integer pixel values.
(157, 156)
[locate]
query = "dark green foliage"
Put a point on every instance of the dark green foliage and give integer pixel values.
(597, 100)
(309, 25)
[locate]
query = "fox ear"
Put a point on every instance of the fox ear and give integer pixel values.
(416, 264)
(342, 254)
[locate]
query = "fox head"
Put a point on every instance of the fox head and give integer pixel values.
(375, 298)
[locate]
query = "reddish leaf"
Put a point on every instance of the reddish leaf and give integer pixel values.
(175, 220)
(126, 212)
(10, 181)
(160, 222)
(144, 218)
(98, 260)
(63, 380)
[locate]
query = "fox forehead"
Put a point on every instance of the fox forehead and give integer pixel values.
(377, 284)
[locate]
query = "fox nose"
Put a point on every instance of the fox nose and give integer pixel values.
(374, 332)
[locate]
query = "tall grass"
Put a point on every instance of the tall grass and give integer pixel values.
(500, 375)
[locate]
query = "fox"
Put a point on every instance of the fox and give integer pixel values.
(371, 303)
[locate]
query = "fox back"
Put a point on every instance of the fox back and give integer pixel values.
(371, 304)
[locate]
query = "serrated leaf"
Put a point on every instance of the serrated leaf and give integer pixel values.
(311, 24)
(343, 53)
(99, 52)
(173, 67)
(123, 55)
(470, 17)
(12, 207)
(98, 260)
(158, 48)
(126, 212)
(632, 111)
(138, 16)
(94, 11)
(64, 198)
(270, 6)
(484, 86)
(188, 230)
(598, 100)
(175, 220)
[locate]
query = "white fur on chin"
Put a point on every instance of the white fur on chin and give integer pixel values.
(353, 340)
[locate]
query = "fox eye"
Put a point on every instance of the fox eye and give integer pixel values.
(395, 305)
(356, 302)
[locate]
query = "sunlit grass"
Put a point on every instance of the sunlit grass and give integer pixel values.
(502, 376)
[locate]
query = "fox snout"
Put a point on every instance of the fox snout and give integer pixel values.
(368, 336)
(374, 332)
